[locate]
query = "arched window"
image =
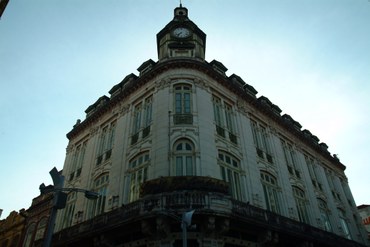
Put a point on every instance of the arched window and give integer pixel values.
(41, 228)
(344, 224)
(138, 170)
(184, 158)
(29, 235)
(230, 172)
(69, 210)
(301, 202)
(324, 215)
(100, 186)
(271, 192)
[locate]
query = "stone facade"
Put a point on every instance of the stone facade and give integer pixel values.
(183, 117)
(11, 229)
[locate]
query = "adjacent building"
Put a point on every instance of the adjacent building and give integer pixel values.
(37, 218)
(364, 211)
(3, 4)
(181, 135)
(26, 228)
(11, 229)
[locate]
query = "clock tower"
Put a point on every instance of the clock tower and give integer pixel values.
(181, 38)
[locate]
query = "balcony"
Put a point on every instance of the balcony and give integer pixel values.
(183, 119)
(153, 217)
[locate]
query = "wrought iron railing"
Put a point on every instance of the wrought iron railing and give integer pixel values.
(205, 202)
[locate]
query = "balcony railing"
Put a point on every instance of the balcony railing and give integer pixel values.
(183, 119)
(205, 202)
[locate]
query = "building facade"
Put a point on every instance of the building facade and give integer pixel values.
(364, 211)
(37, 218)
(11, 229)
(183, 135)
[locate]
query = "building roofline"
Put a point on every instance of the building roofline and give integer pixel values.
(233, 83)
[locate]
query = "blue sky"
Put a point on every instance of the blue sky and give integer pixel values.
(309, 57)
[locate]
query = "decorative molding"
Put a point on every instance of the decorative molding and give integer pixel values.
(201, 83)
(163, 83)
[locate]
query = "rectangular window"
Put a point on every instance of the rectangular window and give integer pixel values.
(179, 166)
(187, 103)
(183, 105)
(189, 166)
(137, 119)
(106, 142)
(217, 111)
(291, 159)
(178, 103)
(112, 131)
(223, 113)
(229, 118)
(261, 141)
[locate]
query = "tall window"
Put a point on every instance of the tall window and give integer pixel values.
(68, 211)
(101, 187)
(230, 172)
(136, 123)
(142, 119)
(41, 228)
(77, 161)
(138, 170)
(106, 142)
(147, 116)
(324, 215)
(29, 235)
(313, 173)
(271, 192)
(330, 178)
(183, 109)
(344, 224)
(184, 158)
(291, 159)
(224, 119)
(301, 202)
(261, 141)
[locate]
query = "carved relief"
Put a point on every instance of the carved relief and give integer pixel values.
(94, 130)
(124, 108)
(163, 83)
(69, 149)
(241, 106)
(201, 83)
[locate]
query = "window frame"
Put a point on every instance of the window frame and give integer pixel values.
(230, 172)
(138, 174)
(184, 158)
(271, 192)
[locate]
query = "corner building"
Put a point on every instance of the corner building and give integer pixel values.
(183, 135)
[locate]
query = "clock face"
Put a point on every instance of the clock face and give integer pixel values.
(181, 32)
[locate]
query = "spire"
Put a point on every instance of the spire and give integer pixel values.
(181, 12)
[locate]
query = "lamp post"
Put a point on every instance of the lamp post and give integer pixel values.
(59, 200)
(185, 223)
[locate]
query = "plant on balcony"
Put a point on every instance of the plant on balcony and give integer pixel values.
(183, 183)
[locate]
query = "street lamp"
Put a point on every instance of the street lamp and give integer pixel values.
(185, 224)
(59, 200)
